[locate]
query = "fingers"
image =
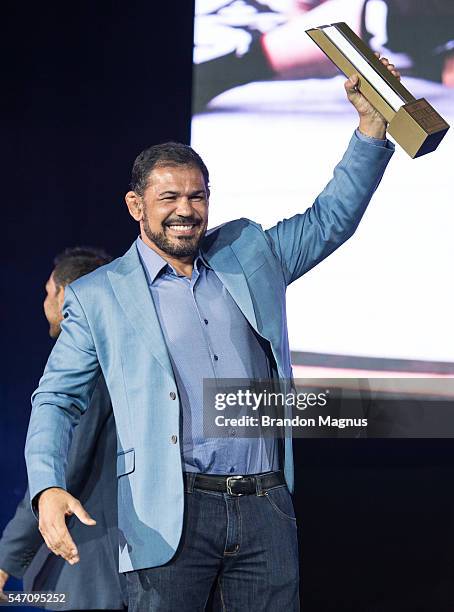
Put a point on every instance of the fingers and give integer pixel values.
(393, 70)
(3, 579)
(351, 87)
(59, 540)
(82, 514)
(54, 506)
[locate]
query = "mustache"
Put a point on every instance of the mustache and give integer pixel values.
(182, 221)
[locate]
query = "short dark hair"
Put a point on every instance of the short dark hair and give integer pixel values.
(74, 262)
(164, 154)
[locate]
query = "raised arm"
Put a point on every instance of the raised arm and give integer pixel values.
(306, 239)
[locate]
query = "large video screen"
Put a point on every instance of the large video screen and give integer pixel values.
(271, 120)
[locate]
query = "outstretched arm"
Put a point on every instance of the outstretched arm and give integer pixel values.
(306, 239)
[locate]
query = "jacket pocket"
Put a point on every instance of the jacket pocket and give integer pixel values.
(125, 462)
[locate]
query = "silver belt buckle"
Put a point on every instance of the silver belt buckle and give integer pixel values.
(229, 486)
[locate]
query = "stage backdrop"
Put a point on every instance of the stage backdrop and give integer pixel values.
(271, 120)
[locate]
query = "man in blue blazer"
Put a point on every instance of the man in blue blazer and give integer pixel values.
(94, 583)
(180, 306)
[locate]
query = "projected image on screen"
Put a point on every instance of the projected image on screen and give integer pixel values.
(271, 120)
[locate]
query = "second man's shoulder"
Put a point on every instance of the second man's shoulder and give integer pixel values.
(94, 279)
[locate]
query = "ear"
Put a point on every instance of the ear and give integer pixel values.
(135, 204)
(60, 297)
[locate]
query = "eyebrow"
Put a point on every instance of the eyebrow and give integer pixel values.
(177, 193)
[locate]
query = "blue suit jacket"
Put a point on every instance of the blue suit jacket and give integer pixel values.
(94, 583)
(111, 326)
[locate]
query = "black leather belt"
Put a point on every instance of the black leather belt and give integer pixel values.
(236, 485)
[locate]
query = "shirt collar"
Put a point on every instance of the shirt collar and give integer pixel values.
(201, 256)
(153, 263)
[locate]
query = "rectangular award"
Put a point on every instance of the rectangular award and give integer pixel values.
(414, 124)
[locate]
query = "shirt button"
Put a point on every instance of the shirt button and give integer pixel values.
(173, 395)
(215, 357)
(205, 321)
(174, 439)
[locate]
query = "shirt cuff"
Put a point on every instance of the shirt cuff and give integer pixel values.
(378, 142)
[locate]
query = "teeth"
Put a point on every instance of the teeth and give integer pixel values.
(181, 228)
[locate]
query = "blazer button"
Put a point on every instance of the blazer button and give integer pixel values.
(173, 395)
(174, 439)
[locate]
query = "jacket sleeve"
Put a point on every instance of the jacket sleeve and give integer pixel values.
(63, 394)
(20, 541)
(304, 240)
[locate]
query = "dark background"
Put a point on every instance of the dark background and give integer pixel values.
(86, 86)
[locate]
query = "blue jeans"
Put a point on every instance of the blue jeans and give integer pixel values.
(247, 545)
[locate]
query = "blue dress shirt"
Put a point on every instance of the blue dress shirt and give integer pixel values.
(207, 336)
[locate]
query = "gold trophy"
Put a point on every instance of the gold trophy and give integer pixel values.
(414, 124)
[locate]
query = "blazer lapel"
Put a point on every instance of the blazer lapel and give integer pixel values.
(226, 265)
(131, 290)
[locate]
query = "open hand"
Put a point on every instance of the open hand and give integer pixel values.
(54, 505)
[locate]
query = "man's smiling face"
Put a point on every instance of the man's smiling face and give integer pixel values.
(174, 209)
